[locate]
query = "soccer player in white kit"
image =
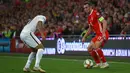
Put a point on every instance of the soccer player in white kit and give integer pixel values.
(28, 37)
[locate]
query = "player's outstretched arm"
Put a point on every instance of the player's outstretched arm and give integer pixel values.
(40, 29)
(87, 33)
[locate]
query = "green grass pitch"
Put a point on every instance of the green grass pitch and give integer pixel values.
(15, 64)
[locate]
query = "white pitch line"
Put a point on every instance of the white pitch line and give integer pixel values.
(63, 59)
(81, 60)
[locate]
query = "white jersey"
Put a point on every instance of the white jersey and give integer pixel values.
(31, 26)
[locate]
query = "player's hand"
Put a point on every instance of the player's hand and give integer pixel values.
(83, 40)
(104, 36)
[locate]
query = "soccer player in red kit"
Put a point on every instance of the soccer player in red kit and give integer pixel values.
(98, 25)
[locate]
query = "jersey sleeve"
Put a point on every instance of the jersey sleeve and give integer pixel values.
(99, 16)
(41, 18)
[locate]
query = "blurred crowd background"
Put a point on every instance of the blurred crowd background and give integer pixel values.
(65, 17)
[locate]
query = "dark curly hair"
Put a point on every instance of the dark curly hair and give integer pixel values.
(91, 3)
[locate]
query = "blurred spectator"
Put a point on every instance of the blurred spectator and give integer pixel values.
(66, 16)
(8, 33)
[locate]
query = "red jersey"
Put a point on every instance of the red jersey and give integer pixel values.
(93, 20)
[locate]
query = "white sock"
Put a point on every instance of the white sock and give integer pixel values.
(105, 63)
(30, 58)
(38, 57)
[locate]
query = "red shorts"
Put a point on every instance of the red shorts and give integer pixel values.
(100, 38)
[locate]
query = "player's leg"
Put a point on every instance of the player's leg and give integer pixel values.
(29, 61)
(105, 64)
(39, 46)
(26, 68)
(93, 54)
(38, 59)
(34, 42)
(25, 38)
(99, 52)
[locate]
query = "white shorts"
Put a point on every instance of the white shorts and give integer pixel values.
(30, 39)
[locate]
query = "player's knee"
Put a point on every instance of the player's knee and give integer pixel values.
(89, 49)
(97, 45)
(34, 50)
(40, 46)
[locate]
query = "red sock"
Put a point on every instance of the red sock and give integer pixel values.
(101, 55)
(95, 57)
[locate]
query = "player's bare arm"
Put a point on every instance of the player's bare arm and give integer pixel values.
(104, 22)
(87, 33)
(40, 29)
